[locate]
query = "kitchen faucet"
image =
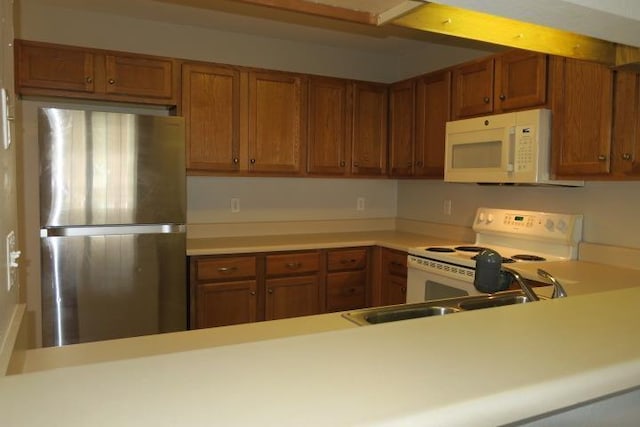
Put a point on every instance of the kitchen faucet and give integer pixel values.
(558, 290)
(526, 288)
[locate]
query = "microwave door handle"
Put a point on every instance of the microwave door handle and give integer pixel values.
(512, 148)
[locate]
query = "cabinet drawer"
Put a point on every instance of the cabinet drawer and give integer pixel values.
(350, 259)
(294, 263)
(346, 290)
(225, 268)
(396, 263)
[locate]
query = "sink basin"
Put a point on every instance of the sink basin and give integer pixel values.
(492, 301)
(407, 313)
(376, 315)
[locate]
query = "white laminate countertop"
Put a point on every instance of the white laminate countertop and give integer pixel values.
(484, 367)
(248, 244)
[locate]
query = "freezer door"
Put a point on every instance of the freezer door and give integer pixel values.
(110, 168)
(112, 286)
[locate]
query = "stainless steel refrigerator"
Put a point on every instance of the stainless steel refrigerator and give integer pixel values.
(112, 216)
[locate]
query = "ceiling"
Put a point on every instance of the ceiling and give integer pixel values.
(260, 20)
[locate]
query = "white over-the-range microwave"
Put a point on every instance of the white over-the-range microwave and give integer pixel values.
(510, 148)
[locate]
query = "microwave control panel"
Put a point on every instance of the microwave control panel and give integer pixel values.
(525, 151)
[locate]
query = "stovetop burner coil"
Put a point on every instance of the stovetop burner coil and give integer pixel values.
(528, 257)
(439, 249)
(469, 248)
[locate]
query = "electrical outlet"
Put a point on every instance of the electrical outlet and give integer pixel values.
(235, 205)
(360, 203)
(12, 261)
(446, 207)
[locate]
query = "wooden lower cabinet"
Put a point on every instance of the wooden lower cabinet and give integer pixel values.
(347, 279)
(234, 289)
(292, 297)
(393, 277)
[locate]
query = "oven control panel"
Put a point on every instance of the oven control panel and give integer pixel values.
(529, 224)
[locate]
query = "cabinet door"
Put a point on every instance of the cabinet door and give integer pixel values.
(329, 126)
(472, 90)
(346, 290)
(582, 98)
(402, 98)
(433, 111)
(276, 123)
(521, 80)
(139, 76)
(225, 303)
(625, 157)
(56, 68)
(211, 108)
(369, 152)
(292, 297)
(394, 290)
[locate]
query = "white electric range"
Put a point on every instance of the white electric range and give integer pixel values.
(518, 236)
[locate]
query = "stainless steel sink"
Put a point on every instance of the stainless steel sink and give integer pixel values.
(393, 313)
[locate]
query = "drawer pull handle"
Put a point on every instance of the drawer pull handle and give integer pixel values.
(348, 261)
(112, 81)
(226, 270)
(349, 291)
(293, 265)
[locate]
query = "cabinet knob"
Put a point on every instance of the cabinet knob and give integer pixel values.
(112, 81)
(88, 79)
(252, 293)
(403, 289)
(356, 164)
(269, 291)
(252, 161)
(502, 97)
(486, 99)
(236, 160)
(419, 163)
(626, 156)
(342, 163)
(602, 157)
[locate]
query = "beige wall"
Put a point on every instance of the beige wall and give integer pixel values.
(610, 209)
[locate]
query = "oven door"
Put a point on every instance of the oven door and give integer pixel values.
(423, 286)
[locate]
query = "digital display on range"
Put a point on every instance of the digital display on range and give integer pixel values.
(518, 218)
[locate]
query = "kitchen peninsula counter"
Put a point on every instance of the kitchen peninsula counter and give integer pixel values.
(484, 367)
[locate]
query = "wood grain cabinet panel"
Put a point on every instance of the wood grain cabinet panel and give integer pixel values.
(58, 68)
(402, 104)
(292, 297)
(73, 72)
(433, 111)
(625, 157)
(369, 151)
(329, 122)
(140, 77)
(394, 277)
(348, 279)
(211, 108)
(226, 303)
(582, 104)
(277, 123)
(510, 81)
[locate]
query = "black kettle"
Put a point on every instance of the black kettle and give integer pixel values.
(489, 277)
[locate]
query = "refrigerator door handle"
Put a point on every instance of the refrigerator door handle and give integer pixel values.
(112, 230)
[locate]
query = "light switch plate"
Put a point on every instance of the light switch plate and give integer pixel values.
(12, 261)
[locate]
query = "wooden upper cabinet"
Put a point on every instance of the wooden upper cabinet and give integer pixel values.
(472, 91)
(521, 80)
(433, 111)
(73, 72)
(329, 120)
(52, 67)
(514, 80)
(277, 122)
(137, 76)
(402, 102)
(211, 108)
(582, 104)
(625, 155)
(369, 149)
